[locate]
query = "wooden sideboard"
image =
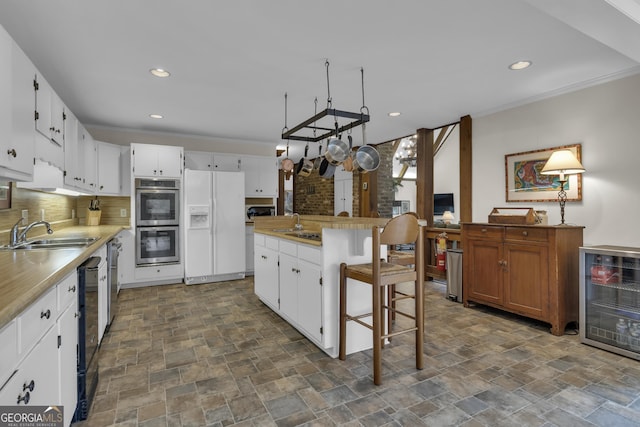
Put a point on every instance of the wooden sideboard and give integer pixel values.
(530, 270)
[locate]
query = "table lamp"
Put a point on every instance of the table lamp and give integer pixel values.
(447, 217)
(562, 163)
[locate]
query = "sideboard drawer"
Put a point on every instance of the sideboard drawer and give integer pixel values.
(526, 234)
(483, 231)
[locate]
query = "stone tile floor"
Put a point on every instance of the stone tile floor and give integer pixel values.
(214, 355)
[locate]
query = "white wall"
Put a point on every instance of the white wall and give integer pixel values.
(605, 119)
(446, 170)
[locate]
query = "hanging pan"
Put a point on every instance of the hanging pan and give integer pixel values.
(318, 160)
(287, 164)
(304, 166)
(326, 169)
(337, 150)
(367, 158)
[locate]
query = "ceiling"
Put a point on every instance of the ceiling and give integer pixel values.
(231, 61)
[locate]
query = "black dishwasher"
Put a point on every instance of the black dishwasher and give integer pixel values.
(87, 336)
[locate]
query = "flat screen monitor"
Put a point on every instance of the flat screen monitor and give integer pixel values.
(442, 202)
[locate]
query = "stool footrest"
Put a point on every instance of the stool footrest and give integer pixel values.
(404, 331)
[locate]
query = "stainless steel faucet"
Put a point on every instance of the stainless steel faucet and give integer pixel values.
(298, 225)
(20, 237)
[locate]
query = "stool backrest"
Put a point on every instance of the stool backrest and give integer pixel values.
(400, 230)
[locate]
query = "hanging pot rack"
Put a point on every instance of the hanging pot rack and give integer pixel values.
(298, 132)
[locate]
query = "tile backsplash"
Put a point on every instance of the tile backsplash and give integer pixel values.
(59, 209)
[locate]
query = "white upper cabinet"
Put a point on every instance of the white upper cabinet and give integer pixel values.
(198, 160)
(108, 168)
(49, 123)
(156, 160)
(226, 162)
(16, 111)
(260, 176)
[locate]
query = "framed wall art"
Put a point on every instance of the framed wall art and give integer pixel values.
(524, 183)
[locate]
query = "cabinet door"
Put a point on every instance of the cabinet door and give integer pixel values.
(108, 156)
(22, 141)
(483, 271)
(71, 160)
(90, 164)
(526, 281)
(5, 91)
(198, 160)
(266, 275)
(48, 140)
(289, 274)
(249, 250)
(144, 159)
(39, 367)
(343, 196)
(226, 162)
(67, 366)
(170, 161)
(310, 298)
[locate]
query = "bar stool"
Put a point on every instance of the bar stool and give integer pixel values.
(382, 275)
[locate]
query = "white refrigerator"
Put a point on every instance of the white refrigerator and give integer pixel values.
(214, 238)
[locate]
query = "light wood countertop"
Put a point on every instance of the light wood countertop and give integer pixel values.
(312, 223)
(28, 274)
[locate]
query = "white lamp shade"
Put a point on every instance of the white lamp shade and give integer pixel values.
(562, 162)
(447, 215)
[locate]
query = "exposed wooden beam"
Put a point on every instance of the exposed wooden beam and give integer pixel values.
(465, 169)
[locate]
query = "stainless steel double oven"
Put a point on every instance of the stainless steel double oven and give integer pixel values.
(157, 221)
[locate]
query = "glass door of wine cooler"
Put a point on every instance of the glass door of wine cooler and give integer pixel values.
(610, 299)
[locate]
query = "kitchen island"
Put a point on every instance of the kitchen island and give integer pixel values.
(299, 277)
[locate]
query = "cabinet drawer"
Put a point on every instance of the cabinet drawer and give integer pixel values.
(289, 248)
(258, 239)
(271, 243)
(36, 320)
(483, 231)
(67, 291)
(526, 234)
(309, 253)
(8, 350)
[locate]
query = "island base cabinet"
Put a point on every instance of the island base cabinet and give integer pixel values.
(527, 270)
(266, 281)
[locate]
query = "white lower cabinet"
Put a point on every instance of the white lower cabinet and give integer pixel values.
(46, 368)
(266, 283)
(288, 277)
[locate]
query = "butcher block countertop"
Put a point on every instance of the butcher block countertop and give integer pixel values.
(312, 223)
(28, 274)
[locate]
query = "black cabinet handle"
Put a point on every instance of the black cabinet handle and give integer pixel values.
(12, 152)
(72, 288)
(46, 314)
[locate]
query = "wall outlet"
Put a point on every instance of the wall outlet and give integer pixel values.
(123, 213)
(25, 216)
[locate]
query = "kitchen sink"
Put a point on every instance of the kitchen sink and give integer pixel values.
(55, 243)
(311, 235)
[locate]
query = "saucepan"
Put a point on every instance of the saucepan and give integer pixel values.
(305, 166)
(287, 164)
(318, 160)
(337, 150)
(347, 165)
(367, 158)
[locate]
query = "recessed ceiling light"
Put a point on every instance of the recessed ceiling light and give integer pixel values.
(159, 72)
(156, 116)
(520, 65)
(394, 114)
